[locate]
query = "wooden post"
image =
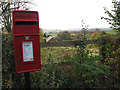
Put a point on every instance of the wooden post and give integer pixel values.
(27, 80)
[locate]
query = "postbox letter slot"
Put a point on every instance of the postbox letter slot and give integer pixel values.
(26, 23)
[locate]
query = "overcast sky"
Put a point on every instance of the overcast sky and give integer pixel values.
(67, 14)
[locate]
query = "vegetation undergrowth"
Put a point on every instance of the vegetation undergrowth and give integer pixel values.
(70, 71)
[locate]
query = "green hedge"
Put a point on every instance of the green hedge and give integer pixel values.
(109, 47)
(10, 79)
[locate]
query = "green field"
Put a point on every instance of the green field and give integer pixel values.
(111, 32)
(72, 34)
(61, 54)
(56, 54)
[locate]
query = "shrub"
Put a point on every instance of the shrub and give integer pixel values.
(10, 79)
(91, 72)
(109, 47)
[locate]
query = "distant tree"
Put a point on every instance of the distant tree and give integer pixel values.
(41, 35)
(65, 35)
(97, 29)
(77, 36)
(6, 8)
(114, 16)
(48, 36)
(45, 35)
(96, 35)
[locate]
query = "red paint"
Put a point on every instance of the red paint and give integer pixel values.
(26, 23)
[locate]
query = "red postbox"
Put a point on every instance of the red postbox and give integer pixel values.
(26, 39)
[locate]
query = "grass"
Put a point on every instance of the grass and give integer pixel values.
(94, 52)
(61, 54)
(111, 32)
(56, 54)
